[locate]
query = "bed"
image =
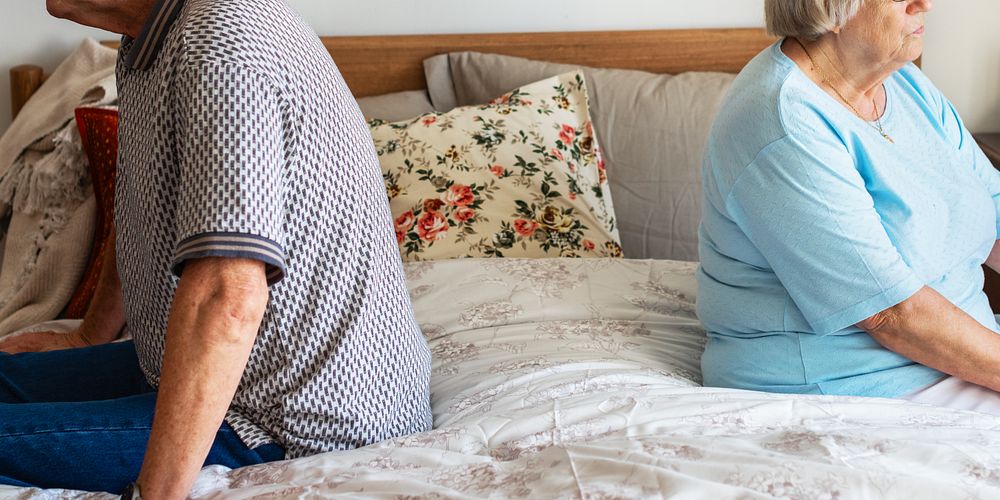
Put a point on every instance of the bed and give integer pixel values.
(579, 377)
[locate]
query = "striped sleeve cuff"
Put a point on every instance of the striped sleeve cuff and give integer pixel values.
(235, 245)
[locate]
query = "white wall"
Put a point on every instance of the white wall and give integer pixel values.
(962, 57)
(28, 35)
(963, 46)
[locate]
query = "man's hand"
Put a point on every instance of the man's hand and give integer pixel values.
(42, 341)
(102, 324)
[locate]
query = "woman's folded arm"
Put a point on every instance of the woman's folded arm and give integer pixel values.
(932, 331)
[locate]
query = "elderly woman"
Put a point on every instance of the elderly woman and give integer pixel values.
(847, 212)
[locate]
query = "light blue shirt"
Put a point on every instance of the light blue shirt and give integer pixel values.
(812, 222)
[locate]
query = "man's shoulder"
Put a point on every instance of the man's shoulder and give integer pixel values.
(257, 34)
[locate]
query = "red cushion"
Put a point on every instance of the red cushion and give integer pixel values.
(99, 136)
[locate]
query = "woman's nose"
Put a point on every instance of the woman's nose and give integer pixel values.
(920, 6)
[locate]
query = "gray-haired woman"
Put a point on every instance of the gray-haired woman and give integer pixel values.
(847, 212)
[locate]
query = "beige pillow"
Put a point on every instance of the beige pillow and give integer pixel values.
(652, 129)
(521, 177)
(395, 106)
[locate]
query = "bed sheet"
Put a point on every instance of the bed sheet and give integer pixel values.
(578, 378)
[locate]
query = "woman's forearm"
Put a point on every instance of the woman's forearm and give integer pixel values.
(105, 315)
(932, 331)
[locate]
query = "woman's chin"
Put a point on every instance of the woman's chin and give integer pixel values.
(912, 50)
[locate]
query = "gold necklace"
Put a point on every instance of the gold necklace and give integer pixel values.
(826, 81)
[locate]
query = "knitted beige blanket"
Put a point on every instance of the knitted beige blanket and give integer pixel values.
(47, 207)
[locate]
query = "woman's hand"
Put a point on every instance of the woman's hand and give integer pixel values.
(42, 341)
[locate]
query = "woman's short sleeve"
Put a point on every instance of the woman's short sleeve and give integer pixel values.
(807, 211)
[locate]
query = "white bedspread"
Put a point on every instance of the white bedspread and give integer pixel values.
(579, 378)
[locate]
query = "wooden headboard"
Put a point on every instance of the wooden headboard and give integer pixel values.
(380, 64)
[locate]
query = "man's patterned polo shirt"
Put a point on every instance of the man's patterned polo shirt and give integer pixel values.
(239, 138)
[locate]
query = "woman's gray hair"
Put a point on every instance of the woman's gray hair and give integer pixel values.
(808, 19)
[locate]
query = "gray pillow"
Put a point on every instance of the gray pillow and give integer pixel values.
(396, 106)
(652, 128)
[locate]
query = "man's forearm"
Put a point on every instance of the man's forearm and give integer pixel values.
(932, 331)
(106, 313)
(213, 323)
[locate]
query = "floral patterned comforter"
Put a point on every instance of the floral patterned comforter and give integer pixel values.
(578, 378)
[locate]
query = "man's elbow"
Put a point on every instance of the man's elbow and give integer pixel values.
(243, 305)
(230, 294)
(236, 312)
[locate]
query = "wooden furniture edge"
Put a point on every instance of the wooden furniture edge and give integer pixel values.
(24, 81)
(383, 64)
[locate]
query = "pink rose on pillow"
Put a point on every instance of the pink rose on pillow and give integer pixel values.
(403, 225)
(432, 226)
(458, 195)
(504, 99)
(525, 227)
(405, 221)
(463, 214)
(497, 170)
(567, 134)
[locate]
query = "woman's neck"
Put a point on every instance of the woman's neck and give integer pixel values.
(845, 74)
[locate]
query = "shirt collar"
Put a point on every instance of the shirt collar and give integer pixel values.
(143, 50)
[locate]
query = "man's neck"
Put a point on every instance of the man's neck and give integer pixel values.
(117, 16)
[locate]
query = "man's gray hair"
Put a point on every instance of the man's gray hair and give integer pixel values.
(808, 19)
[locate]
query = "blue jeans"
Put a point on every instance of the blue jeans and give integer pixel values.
(80, 419)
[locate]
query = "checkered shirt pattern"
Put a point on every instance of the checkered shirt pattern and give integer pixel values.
(239, 138)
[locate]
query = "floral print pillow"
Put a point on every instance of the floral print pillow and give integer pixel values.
(521, 176)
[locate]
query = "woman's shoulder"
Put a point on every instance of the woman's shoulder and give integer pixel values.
(769, 100)
(916, 85)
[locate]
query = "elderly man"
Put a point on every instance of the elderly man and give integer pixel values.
(256, 269)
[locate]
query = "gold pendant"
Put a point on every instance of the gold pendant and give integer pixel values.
(887, 137)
